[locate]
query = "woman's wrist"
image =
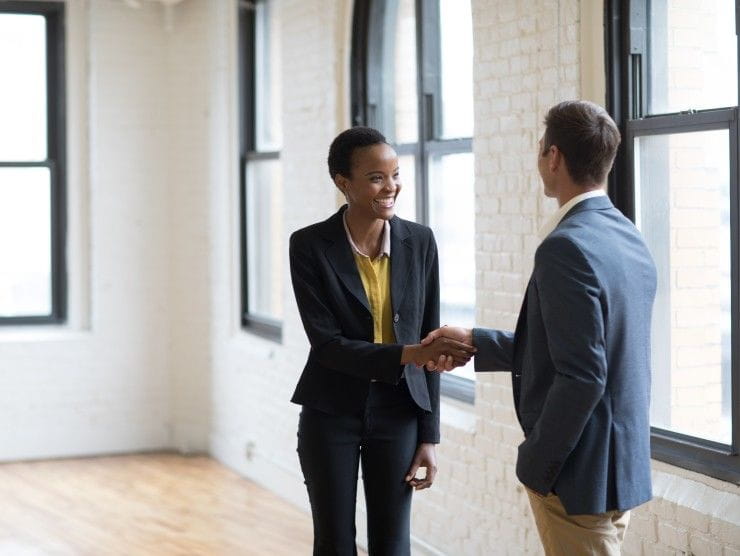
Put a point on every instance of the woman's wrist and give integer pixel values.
(410, 354)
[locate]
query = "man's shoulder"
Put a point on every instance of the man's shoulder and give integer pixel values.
(564, 240)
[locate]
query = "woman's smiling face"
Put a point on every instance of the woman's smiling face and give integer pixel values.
(372, 188)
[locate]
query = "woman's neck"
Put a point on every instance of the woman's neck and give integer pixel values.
(367, 233)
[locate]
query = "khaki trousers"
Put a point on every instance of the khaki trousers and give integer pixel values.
(576, 535)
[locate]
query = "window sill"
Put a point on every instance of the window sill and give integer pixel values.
(691, 454)
(42, 333)
(457, 415)
(267, 329)
(457, 388)
(711, 497)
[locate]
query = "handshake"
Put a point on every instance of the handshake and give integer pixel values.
(442, 350)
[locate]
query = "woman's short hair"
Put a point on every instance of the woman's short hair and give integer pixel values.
(345, 144)
(586, 135)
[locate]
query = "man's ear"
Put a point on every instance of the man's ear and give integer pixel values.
(555, 159)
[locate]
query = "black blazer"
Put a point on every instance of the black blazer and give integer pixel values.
(337, 319)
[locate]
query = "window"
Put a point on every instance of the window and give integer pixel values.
(413, 80)
(674, 93)
(260, 170)
(32, 197)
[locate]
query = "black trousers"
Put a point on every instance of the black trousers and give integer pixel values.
(383, 439)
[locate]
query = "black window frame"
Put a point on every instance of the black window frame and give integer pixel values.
(55, 161)
(626, 55)
(271, 329)
(367, 98)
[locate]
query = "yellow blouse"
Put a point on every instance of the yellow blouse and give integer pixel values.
(376, 279)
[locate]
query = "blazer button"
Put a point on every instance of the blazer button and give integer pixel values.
(395, 317)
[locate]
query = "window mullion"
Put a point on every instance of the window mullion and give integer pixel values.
(430, 76)
(429, 79)
(638, 47)
(57, 156)
(374, 101)
(735, 281)
(247, 56)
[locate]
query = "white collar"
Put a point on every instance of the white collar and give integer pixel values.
(385, 248)
(555, 219)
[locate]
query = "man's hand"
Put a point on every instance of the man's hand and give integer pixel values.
(425, 457)
(456, 333)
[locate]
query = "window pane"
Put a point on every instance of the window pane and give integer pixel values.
(23, 90)
(451, 215)
(25, 242)
(683, 210)
(405, 94)
(264, 238)
(456, 51)
(267, 76)
(693, 55)
(406, 200)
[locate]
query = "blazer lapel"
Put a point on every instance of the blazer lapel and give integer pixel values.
(401, 258)
(339, 255)
(521, 322)
(519, 341)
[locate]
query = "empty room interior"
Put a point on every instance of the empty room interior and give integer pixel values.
(156, 157)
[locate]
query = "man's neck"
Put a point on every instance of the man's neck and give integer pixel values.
(571, 190)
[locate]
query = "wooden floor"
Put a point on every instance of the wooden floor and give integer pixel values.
(143, 505)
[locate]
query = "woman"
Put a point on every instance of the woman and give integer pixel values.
(367, 288)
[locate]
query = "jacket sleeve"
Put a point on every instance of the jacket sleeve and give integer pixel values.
(495, 350)
(429, 421)
(569, 295)
(331, 348)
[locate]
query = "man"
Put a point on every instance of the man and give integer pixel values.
(580, 355)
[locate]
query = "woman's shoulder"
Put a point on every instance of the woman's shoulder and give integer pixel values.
(325, 228)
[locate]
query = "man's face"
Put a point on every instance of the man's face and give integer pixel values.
(543, 166)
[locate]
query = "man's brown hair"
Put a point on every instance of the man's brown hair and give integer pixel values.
(586, 135)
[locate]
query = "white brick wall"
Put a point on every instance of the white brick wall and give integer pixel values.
(194, 164)
(101, 384)
(164, 362)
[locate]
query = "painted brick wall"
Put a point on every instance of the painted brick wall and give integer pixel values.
(101, 384)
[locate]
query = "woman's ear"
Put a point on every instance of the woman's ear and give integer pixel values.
(342, 183)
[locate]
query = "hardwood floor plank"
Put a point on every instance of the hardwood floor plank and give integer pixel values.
(161, 504)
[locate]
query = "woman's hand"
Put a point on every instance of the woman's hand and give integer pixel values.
(425, 457)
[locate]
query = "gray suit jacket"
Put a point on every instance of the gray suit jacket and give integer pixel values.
(580, 362)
